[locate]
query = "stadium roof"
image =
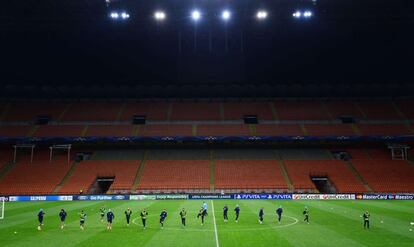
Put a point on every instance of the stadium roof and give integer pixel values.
(70, 44)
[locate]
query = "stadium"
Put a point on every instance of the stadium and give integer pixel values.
(206, 123)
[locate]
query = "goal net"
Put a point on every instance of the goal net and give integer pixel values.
(2, 204)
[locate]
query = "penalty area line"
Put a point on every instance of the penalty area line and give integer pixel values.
(215, 226)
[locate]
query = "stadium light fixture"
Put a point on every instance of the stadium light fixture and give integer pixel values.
(307, 14)
(261, 15)
(114, 15)
(195, 15)
(124, 15)
(297, 14)
(225, 15)
(159, 15)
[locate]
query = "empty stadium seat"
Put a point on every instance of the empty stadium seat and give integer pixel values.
(92, 111)
(59, 131)
(152, 110)
(248, 174)
(14, 130)
(39, 177)
(222, 130)
(343, 108)
(236, 110)
(300, 172)
(385, 175)
(110, 130)
(406, 107)
(378, 110)
(166, 130)
(28, 111)
(384, 129)
(87, 171)
(301, 110)
(195, 111)
(279, 130)
(175, 174)
(329, 130)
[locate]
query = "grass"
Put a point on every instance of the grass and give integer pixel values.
(332, 223)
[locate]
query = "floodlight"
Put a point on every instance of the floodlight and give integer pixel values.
(225, 15)
(159, 15)
(307, 14)
(114, 15)
(297, 14)
(261, 14)
(195, 15)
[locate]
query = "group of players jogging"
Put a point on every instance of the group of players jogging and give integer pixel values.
(110, 216)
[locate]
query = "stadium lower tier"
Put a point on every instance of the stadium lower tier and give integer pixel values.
(172, 171)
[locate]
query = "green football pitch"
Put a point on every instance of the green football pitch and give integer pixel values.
(332, 223)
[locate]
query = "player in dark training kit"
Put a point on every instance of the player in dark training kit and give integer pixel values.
(202, 213)
(109, 218)
(279, 212)
(163, 216)
(306, 215)
(128, 214)
(40, 216)
(144, 215)
(102, 212)
(261, 214)
(62, 216)
(225, 210)
(366, 216)
(183, 214)
(237, 211)
(82, 216)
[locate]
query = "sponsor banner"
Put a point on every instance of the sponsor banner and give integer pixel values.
(141, 197)
(39, 198)
(4, 198)
(100, 197)
(171, 197)
(385, 197)
(263, 196)
(404, 197)
(323, 196)
(159, 197)
(210, 197)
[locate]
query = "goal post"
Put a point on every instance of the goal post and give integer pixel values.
(2, 205)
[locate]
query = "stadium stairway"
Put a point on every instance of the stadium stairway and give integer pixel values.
(120, 112)
(274, 111)
(140, 171)
(356, 129)
(212, 168)
(66, 177)
(305, 131)
(358, 176)
(285, 175)
(169, 111)
(221, 109)
(62, 115)
(358, 107)
(33, 130)
(6, 169)
(398, 110)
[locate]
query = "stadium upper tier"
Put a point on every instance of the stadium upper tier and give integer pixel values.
(277, 110)
(216, 118)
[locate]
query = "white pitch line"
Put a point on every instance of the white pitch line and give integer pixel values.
(215, 226)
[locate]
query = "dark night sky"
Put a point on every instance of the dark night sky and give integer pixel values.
(74, 42)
